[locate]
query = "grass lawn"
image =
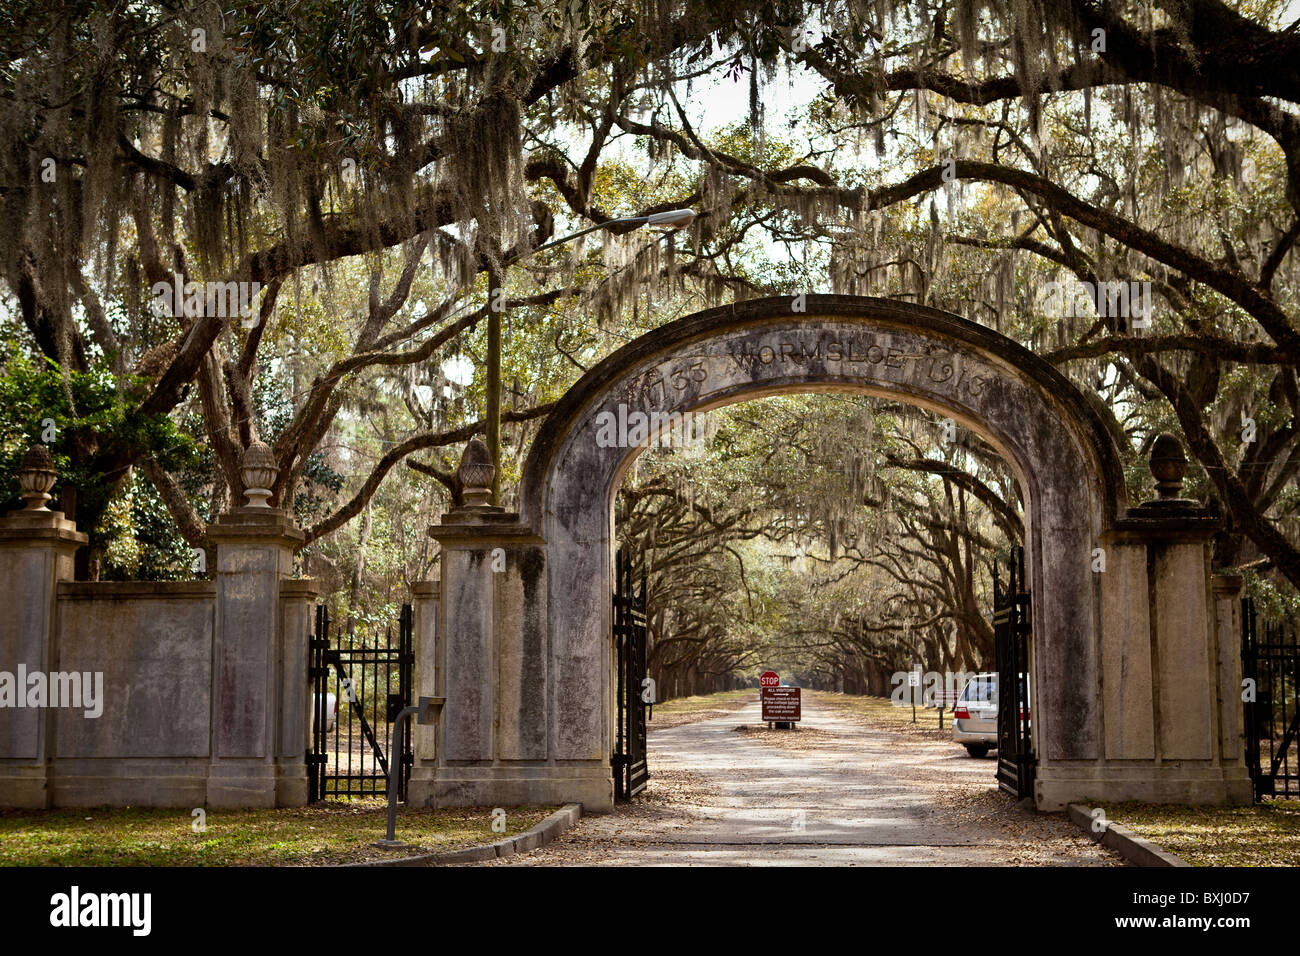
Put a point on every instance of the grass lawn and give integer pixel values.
(685, 710)
(334, 832)
(873, 710)
(883, 712)
(1267, 834)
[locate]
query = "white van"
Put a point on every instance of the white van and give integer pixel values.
(975, 718)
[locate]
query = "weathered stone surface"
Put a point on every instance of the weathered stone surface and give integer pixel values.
(1226, 590)
(256, 679)
(522, 784)
(292, 706)
(204, 684)
(25, 620)
(153, 644)
(1096, 707)
(467, 659)
(1135, 670)
(297, 621)
(36, 553)
(1182, 629)
(425, 607)
(131, 781)
(1126, 653)
(254, 557)
(521, 600)
(1023, 407)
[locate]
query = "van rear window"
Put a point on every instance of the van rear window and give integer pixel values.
(980, 690)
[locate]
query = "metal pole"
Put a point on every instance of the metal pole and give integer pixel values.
(493, 384)
(496, 279)
(393, 765)
(394, 772)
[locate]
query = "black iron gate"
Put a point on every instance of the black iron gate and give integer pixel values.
(633, 692)
(1270, 665)
(1012, 630)
(358, 687)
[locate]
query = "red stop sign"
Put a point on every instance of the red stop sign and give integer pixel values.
(769, 679)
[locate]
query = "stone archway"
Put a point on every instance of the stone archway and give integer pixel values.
(524, 658)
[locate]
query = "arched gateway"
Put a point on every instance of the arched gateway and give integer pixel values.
(1136, 668)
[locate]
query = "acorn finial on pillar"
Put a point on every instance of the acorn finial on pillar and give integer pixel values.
(1168, 465)
(258, 469)
(476, 473)
(36, 475)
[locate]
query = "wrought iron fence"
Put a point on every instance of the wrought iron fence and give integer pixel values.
(1012, 631)
(628, 761)
(1270, 664)
(360, 682)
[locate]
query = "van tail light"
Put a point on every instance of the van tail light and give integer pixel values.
(961, 713)
(336, 706)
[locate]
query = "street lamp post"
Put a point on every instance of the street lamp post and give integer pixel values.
(493, 384)
(670, 219)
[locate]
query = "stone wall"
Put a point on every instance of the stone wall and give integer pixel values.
(1136, 675)
(204, 697)
(152, 743)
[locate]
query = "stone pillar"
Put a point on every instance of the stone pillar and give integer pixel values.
(426, 606)
(1170, 657)
(495, 742)
(1178, 561)
(36, 553)
(297, 622)
(1127, 704)
(1226, 589)
(259, 672)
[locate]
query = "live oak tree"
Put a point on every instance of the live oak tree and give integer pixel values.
(840, 539)
(264, 144)
(379, 173)
(1105, 142)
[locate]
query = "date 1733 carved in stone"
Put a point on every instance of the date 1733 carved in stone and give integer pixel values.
(1135, 669)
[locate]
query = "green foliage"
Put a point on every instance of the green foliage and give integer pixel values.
(411, 92)
(142, 542)
(35, 396)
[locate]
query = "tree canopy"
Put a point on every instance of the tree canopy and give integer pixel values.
(363, 184)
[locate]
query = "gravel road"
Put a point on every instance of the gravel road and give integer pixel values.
(837, 792)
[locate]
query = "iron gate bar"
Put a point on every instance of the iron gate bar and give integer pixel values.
(1283, 748)
(406, 684)
(638, 770)
(357, 705)
(1250, 672)
(317, 672)
(1012, 630)
(1273, 664)
(619, 757)
(370, 673)
(628, 762)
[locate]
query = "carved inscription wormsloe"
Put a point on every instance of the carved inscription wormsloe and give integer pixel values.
(790, 353)
(935, 367)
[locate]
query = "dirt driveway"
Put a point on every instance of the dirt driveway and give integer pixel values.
(838, 792)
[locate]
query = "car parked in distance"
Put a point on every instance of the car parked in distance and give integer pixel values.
(331, 710)
(975, 718)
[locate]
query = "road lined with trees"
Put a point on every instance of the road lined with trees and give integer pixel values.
(841, 791)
